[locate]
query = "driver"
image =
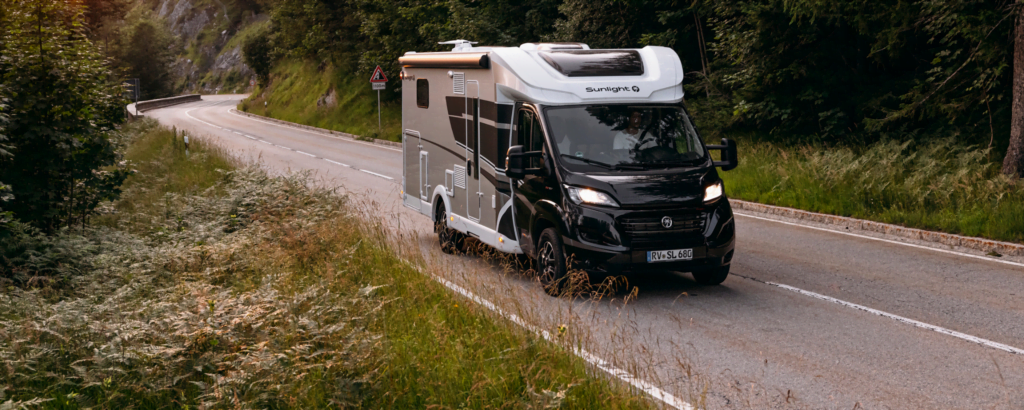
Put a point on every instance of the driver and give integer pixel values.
(627, 138)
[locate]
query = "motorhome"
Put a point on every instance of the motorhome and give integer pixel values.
(580, 158)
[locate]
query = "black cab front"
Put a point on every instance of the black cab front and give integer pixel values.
(619, 188)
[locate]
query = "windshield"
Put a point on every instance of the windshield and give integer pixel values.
(593, 137)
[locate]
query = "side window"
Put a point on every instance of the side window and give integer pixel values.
(524, 124)
(422, 93)
(536, 143)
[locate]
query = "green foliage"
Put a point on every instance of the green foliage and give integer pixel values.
(143, 50)
(330, 98)
(256, 50)
(29, 258)
(939, 185)
(63, 107)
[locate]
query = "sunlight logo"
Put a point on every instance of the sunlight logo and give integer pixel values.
(613, 89)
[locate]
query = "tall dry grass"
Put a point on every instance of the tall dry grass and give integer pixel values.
(214, 285)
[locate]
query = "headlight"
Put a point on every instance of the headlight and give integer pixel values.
(590, 196)
(713, 192)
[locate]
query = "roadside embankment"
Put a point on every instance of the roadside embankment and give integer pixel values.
(329, 98)
(939, 186)
(211, 284)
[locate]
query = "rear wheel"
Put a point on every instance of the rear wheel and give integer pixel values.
(712, 276)
(550, 262)
(451, 240)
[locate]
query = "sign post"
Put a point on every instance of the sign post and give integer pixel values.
(378, 81)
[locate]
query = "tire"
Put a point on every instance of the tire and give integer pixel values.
(550, 262)
(451, 241)
(712, 276)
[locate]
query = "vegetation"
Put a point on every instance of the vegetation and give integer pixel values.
(62, 107)
(211, 284)
(800, 84)
(940, 185)
(327, 98)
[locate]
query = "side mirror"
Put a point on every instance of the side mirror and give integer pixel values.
(729, 160)
(516, 162)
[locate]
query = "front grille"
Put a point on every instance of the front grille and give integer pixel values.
(645, 231)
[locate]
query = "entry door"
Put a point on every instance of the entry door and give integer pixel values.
(533, 188)
(412, 175)
(474, 197)
(424, 172)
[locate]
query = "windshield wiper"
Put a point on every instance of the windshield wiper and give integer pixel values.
(621, 165)
(671, 163)
(589, 161)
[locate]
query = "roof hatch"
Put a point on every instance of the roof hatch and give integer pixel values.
(595, 63)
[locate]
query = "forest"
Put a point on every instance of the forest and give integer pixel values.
(838, 73)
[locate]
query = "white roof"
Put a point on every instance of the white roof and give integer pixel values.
(522, 74)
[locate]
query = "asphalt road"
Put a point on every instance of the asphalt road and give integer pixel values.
(905, 327)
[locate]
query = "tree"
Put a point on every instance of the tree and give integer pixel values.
(144, 52)
(1013, 164)
(63, 104)
(256, 51)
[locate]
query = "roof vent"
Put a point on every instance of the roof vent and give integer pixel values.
(595, 63)
(460, 44)
(553, 46)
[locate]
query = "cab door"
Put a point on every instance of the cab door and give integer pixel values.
(532, 189)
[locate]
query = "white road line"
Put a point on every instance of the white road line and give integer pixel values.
(912, 322)
(337, 163)
(602, 364)
(250, 137)
(306, 153)
(989, 259)
(317, 133)
(267, 142)
(379, 175)
(282, 146)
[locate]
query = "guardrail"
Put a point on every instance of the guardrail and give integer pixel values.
(136, 110)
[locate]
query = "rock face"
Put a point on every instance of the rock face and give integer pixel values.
(328, 99)
(208, 64)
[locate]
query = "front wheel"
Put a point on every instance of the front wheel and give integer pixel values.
(712, 276)
(550, 262)
(451, 240)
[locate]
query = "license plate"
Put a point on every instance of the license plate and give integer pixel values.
(672, 255)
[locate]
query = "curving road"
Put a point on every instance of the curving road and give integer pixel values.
(810, 318)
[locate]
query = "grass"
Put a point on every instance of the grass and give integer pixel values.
(217, 286)
(941, 185)
(296, 86)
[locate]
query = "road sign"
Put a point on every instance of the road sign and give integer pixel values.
(378, 76)
(378, 81)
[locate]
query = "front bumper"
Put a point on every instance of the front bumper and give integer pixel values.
(606, 240)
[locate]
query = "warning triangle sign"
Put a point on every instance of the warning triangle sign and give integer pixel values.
(378, 76)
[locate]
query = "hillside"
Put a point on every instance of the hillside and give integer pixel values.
(210, 34)
(331, 98)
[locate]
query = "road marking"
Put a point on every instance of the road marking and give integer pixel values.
(315, 133)
(594, 360)
(306, 153)
(282, 146)
(337, 163)
(250, 137)
(886, 240)
(898, 318)
(379, 175)
(267, 142)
